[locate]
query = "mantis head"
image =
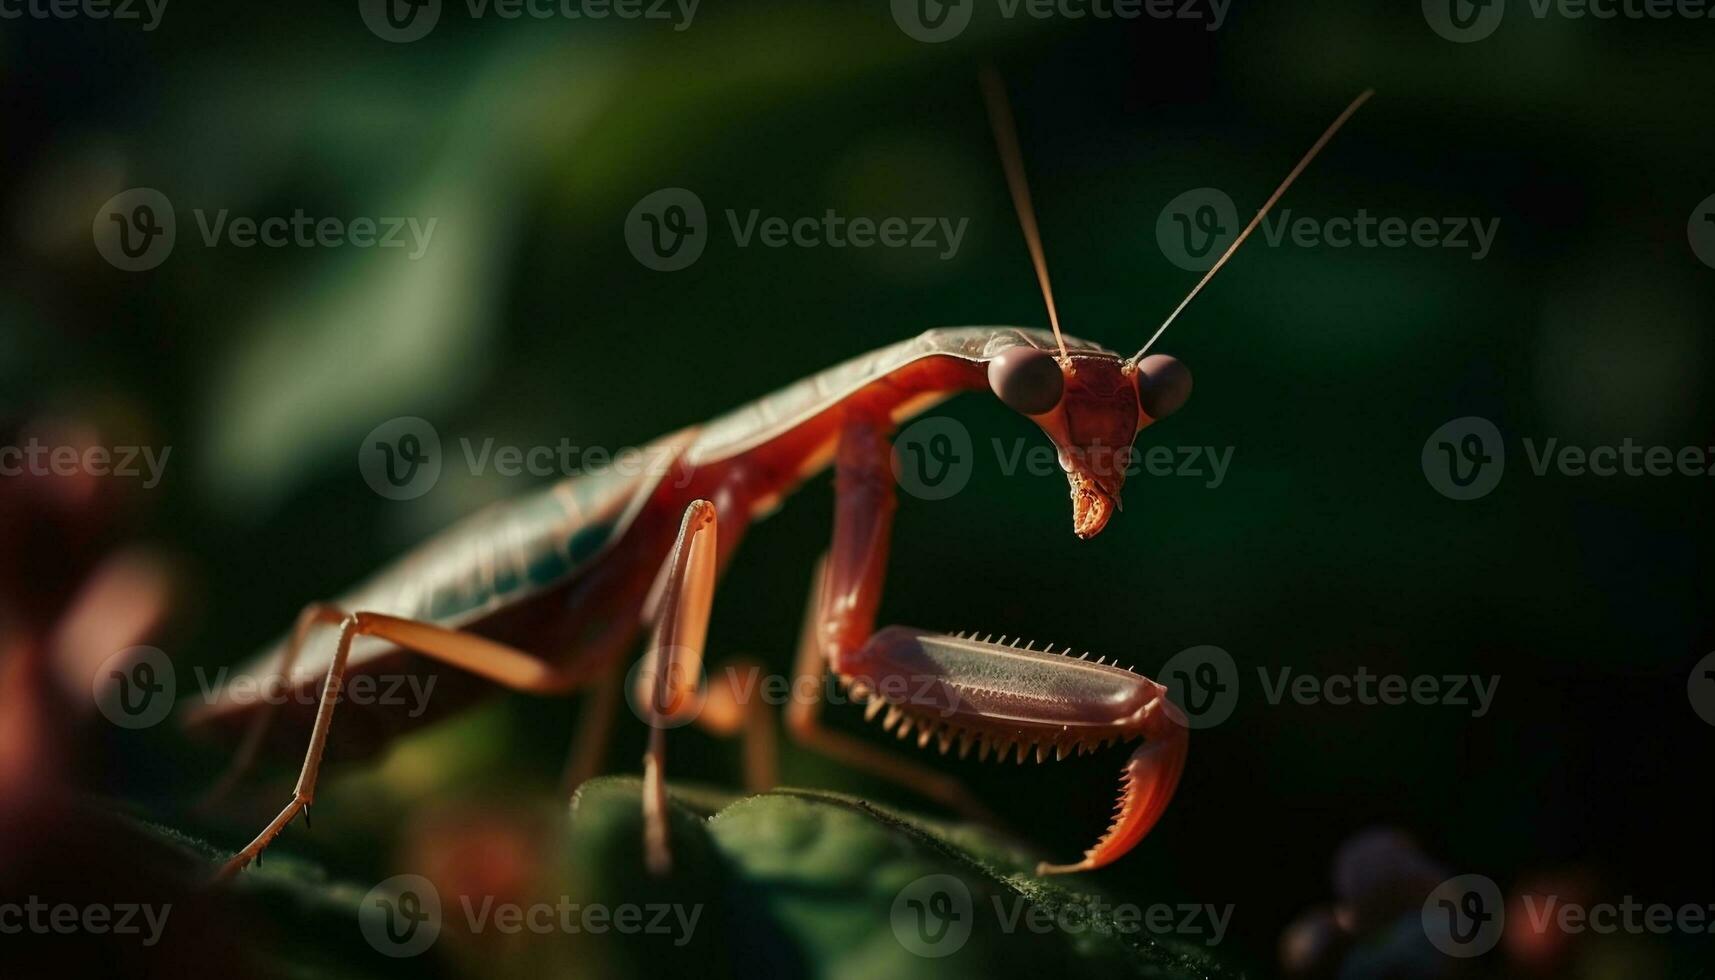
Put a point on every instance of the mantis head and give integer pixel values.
(1091, 406)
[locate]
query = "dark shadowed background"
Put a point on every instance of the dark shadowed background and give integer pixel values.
(1324, 549)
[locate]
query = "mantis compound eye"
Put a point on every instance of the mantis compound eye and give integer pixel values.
(1163, 384)
(1027, 380)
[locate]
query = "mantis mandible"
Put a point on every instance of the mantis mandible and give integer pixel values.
(546, 594)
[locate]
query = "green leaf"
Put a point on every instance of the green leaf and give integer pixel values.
(817, 883)
(785, 883)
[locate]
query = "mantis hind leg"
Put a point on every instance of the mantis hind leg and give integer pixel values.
(486, 658)
(314, 614)
(595, 728)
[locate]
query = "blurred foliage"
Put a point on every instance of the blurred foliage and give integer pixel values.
(1323, 550)
(787, 883)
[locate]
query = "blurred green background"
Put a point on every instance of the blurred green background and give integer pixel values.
(1324, 549)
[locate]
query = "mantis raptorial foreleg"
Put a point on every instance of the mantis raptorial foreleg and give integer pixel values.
(975, 693)
(843, 604)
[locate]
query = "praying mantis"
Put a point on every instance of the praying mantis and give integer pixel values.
(547, 594)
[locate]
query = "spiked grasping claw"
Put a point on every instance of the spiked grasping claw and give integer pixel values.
(1146, 786)
(1019, 701)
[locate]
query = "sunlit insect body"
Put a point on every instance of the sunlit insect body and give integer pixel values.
(547, 594)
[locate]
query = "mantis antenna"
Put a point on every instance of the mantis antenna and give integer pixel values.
(1309, 155)
(1006, 140)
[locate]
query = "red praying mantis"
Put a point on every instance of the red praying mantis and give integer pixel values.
(547, 594)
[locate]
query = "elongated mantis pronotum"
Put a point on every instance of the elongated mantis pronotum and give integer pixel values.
(546, 594)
